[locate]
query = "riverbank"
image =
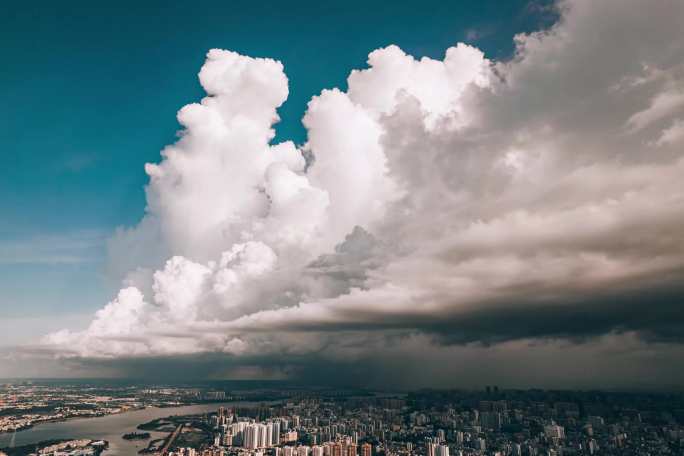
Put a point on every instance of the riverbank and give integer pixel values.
(112, 427)
(59, 419)
(55, 445)
(40, 422)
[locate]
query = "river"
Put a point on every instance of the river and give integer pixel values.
(109, 427)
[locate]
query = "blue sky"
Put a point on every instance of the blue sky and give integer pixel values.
(90, 92)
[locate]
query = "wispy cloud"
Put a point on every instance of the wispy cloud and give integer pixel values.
(79, 161)
(59, 248)
(475, 34)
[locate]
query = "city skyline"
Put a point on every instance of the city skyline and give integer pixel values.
(423, 195)
(219, 420)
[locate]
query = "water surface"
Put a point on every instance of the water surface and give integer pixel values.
(110, 428)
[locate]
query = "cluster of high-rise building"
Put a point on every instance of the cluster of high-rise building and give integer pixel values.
(436, 449)
(247, 433)
(343, 447)
(496, 423)
(260, 436)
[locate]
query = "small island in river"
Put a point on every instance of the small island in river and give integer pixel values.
(136, 436)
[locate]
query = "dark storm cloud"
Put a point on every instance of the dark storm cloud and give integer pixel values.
(653, 314)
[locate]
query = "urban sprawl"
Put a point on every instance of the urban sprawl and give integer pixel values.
(490, 422)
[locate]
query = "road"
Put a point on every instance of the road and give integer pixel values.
(172, 438)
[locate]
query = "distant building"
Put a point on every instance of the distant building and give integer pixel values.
(554, 431)
(491, 420)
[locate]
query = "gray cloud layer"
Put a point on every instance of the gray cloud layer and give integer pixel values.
(462, 210)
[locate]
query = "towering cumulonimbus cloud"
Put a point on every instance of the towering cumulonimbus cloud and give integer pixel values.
(456, 201)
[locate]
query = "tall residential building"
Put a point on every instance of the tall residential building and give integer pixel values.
(257, 435)
(268, 435)
(275, 433)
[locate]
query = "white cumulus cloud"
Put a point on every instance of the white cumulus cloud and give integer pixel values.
(450, 197)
